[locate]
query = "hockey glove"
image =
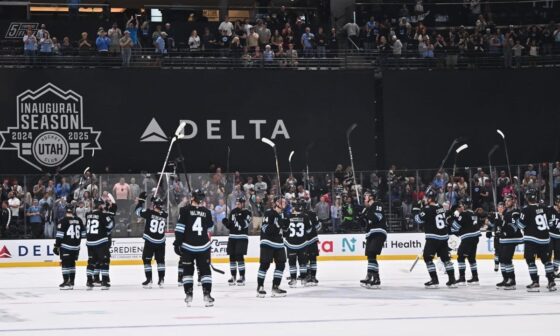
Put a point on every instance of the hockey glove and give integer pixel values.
(142, 196)
(177, 250)
(226, 222)
(56, 250)
(488, 234)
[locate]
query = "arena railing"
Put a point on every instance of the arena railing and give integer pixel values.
(399, 191)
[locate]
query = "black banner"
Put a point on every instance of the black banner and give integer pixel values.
(120, 120)
(426, 110)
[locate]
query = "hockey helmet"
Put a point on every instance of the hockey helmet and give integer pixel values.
(198, 195)
(531, 195)
(465, 202)
(240, 200)
(98, 202)
(557, 199)
(157, 202)
(431, 194)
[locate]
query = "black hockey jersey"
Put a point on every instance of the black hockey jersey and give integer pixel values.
(510, 232)
(375, 221)
(154, 229)
(98, 227)
(533, 222)
(238, 223)
(191, 231)
(271, 230)
(466, 225)
(312, 233)
(112, 212)
(295, 237)
(553, 222)
(69, 233)
(432, 217)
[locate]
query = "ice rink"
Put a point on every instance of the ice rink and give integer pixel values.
(32, 304)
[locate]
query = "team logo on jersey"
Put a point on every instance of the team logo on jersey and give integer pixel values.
(153, 133)
(50, 129)
(17, 30)
(5, 253)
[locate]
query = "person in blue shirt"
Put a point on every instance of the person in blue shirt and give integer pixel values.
(35, 220)
(62, 189)
(132, 28)
(102, 42)
(308, 42)
(160, 43)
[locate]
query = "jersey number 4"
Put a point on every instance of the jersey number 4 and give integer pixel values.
(197, 226)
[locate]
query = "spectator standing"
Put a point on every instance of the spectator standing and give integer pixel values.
(277, 40)
(308, 42)
(227, 26)
(261, 186)
(14, 204)
(321, 39)
(55, 46)
(333, 43)
(29, 45)
(323, 212)
(33, 214)
(135, 189)
(45, 44)
(160, 44)
(268, 56)
(132, 29)
(517, 53)
(126, 48)
(170, 36)
(264, 33)
(81, 210)
(352, 32)
(102, 42)
(66, 47)
(41, 32)
(252, 40)
(336, 214)
(115, 34)
(122, 193)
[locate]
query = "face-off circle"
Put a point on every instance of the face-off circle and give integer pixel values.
(50, 149)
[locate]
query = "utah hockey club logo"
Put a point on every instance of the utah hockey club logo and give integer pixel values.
(5, 253)
(153, 133)
(50, 130)
(17, 30)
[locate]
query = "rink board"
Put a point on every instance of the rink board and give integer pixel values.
(128, 251)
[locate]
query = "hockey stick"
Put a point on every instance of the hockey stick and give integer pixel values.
(271, 144)
(307, 149)
(457, 151)
(348, 132)
(217, 270)
(290, 162)
(492, 178)
(175, 137)
(507, 155)
(226, 191)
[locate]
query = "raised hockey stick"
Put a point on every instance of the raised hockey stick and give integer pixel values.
(348, 133)
(307, 149)
(492, 178)
(290, 161)
(175, 137)
(273, 145)
(507, 154)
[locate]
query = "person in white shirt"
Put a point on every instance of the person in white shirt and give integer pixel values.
(227, 26)
(14, 204)
(194, 41)
(248, 185)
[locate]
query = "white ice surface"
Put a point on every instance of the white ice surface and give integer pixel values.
(32, 304)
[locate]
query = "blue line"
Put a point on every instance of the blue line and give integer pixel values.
(221, 324)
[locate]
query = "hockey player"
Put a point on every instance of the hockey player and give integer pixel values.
(272, 247)
(534, 224)
(509, 237)
(110, 210)
(154, 238)
(432, 217)
(465, 226)
(238, 225)
(296, 242)
(495, 223)
(192, 244)
(312, 247)
(98, 227)
(375, 222)
(69, 233)
(554, 223)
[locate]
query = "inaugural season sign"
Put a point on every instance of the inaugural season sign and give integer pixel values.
(50, 129)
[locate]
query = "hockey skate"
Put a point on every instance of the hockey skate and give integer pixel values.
(473, 281)
(313, 281)
(451, 283)
(65, 285)
(364, 282)
(510, 284)
(160, 283)
(278, 292)
(96, 281)
(375, 283)
(89, 284)
(105, 285)
(303, 281)
(147, 284)
(231, 281)
(501, 285)
(551, 285)
(261, 292)
(189, 298)
(534, 287)
(461, 282)
(292, 283)
(208, 300)
(432, 284)
(241, 281)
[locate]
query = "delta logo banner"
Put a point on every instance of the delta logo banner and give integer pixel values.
(50, 130)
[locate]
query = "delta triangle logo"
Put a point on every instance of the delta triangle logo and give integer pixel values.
(5, 253)
(153, 133)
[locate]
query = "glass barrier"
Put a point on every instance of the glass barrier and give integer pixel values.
(37, 202)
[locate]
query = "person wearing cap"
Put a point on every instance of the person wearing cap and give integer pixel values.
(69, 233)
(102, 42)
(375, 223)
(126, 48)
(238, 223)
